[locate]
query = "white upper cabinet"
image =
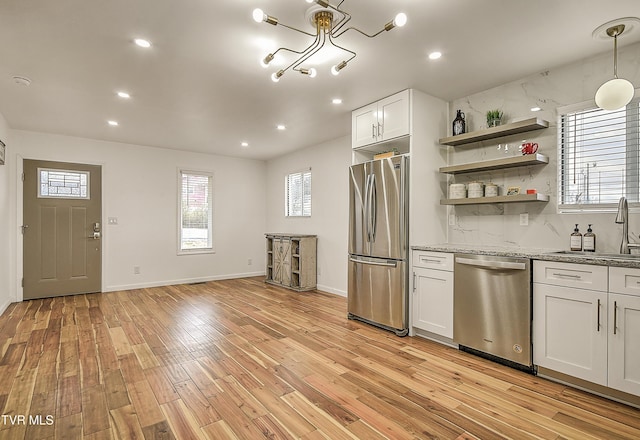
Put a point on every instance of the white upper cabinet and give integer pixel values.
(364, 125)
(381, 121)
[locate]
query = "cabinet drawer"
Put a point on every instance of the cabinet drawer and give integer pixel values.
(624, 280)
(433, 260)
(582, 276)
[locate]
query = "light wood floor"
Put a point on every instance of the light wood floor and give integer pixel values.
(243, 359)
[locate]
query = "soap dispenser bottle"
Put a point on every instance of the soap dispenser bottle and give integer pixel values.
(576, 239)
(589, 240)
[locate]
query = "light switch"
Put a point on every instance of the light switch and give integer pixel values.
(112, 220)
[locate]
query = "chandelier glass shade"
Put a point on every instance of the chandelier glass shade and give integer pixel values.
(617, 92)
(330, 22)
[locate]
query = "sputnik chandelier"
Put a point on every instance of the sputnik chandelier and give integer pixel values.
(330, 22)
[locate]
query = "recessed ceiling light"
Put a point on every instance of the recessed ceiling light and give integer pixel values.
(535, 109)
(245, 144)
(113, 123)
(435, 55)
(142, 42)
(124, 95)
(336, 101)
(281, 127)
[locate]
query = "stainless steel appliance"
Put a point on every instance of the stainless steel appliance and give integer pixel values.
(378, 243)
(492, 307)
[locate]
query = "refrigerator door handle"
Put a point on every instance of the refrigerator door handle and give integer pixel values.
(374, 207)
(374, 263)
(366, 207)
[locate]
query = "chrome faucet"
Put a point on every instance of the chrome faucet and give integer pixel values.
(623, 218)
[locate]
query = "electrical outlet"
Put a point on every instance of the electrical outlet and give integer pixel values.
(524, 219)
(136, 270)
(249, 262)
(452, 220)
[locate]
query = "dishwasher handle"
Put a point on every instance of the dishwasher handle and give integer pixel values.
(488, 264)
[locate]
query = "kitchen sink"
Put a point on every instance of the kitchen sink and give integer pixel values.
(583, 254)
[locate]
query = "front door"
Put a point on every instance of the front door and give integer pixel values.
(62, 229)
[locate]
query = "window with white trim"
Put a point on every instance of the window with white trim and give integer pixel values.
(195, 212)
(297, 194)
(599, 157)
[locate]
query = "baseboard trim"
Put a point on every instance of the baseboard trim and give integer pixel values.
(331, 290)
(598, 390)
(433, 337)
(181, 281)
(4, 307)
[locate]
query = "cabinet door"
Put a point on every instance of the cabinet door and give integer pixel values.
(393, 116)
(624, 343)
(570, 331)
(433, 301)
(282, 261)
(285, 252)
(364, 126)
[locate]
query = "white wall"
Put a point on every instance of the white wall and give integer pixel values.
(499, 224)
(5, 220)
(140, 189)
(329, 164)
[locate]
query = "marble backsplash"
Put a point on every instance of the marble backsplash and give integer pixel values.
(499, 224)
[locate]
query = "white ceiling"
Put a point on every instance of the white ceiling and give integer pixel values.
(200, 87)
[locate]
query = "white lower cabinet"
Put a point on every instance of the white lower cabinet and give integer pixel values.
(592, 332)
(569, 331)
(624, 330)
(433, 292)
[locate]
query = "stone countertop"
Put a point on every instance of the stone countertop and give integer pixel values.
(632, 261)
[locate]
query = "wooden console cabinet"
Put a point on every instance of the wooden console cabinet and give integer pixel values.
(291, 261)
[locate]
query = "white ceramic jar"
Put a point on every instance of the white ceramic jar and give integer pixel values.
(457, 191)
(491, 190)
(476, 189)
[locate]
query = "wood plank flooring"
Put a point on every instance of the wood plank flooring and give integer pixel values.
(241, 359)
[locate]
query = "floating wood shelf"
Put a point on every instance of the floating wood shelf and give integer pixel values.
(496, 132)
(498, 199)
(497, 164)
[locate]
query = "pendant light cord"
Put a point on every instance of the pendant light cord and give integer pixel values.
(615, 55)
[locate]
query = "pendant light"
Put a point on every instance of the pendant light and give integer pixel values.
(617, 92)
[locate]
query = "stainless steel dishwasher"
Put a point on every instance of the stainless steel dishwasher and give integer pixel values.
(492, 308)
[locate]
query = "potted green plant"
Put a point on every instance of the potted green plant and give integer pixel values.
(494, 118)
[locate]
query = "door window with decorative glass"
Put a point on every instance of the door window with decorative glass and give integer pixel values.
(599, 157)
(195, 207)
(297, 199)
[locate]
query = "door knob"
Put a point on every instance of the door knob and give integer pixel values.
(95, 236)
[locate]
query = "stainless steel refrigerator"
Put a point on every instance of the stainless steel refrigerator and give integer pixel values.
(378, 243)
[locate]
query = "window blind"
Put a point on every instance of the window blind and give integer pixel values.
(599, 159)
(298, 194)
(196, 202)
